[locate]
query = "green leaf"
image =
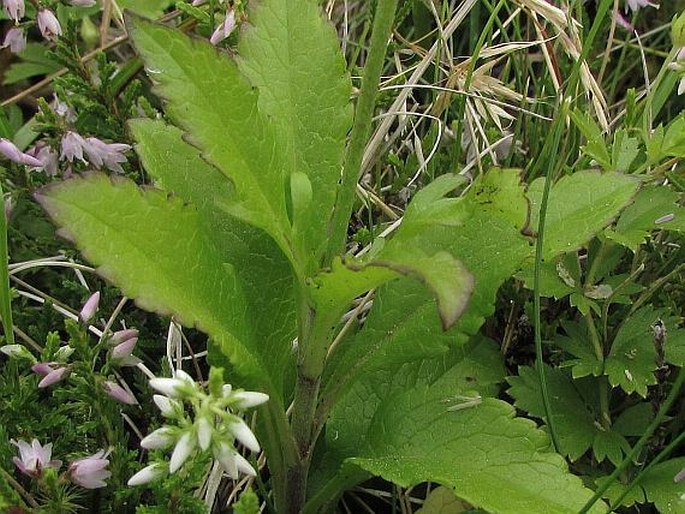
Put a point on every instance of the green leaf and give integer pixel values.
(261, 267)
(654, 208)
(292, 56)
(632, 360)
(577, 343)
(153, 247)
(616, 489)
(624, 151)
(417, 434)
(574, 420)
(149, 8)
(248, 503)
(667, 495)
(442, 500)
(610, 444)
(634, 420)
(34, 61)
(595, 146)
(580, 205)
(483, 235)
(446, 277)
(558, 278)
(208, 97)
(667, 142)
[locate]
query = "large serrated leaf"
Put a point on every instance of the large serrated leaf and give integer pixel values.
(580, 205)
(153, 247)
(208, 97)
(428, 424)
(261, 267)
(292, 56)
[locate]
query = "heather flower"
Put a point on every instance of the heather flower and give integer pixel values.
(46, 155)
(15, 40)
(636, 5)
(149, 474)
(623, 22)
(184, 447)
(121, 336)
(181, 385)
(159, 439)
(118, 393)
(63, 110)
(34, 458)
(224, 29)
(168, 407)
(90, 307)
(15, 9)
(216, 425)
(89, 472)
(52, 372)
(121, 353)
(9, 150)
(72, 147)
(249, 399)
(111, 155)
(48, 25)
(232, 462)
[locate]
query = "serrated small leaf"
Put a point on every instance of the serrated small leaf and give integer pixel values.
(595, 147)
(632, 360)
(573, 419)
(580, 205)
(661, 488)
(577, 342)
(624, 151)
(610, 444)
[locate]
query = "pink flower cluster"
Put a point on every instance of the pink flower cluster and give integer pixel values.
(99, 154)
(88, 472)
(48, 24)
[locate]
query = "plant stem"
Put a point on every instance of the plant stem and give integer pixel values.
(641, 442)
(382, 28)
(539, 363)
(662, 455)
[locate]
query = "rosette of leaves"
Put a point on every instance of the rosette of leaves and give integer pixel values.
(236, 237)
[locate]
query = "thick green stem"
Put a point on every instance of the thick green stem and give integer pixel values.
(382, 28)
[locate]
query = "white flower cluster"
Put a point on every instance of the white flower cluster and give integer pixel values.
(215, 424)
